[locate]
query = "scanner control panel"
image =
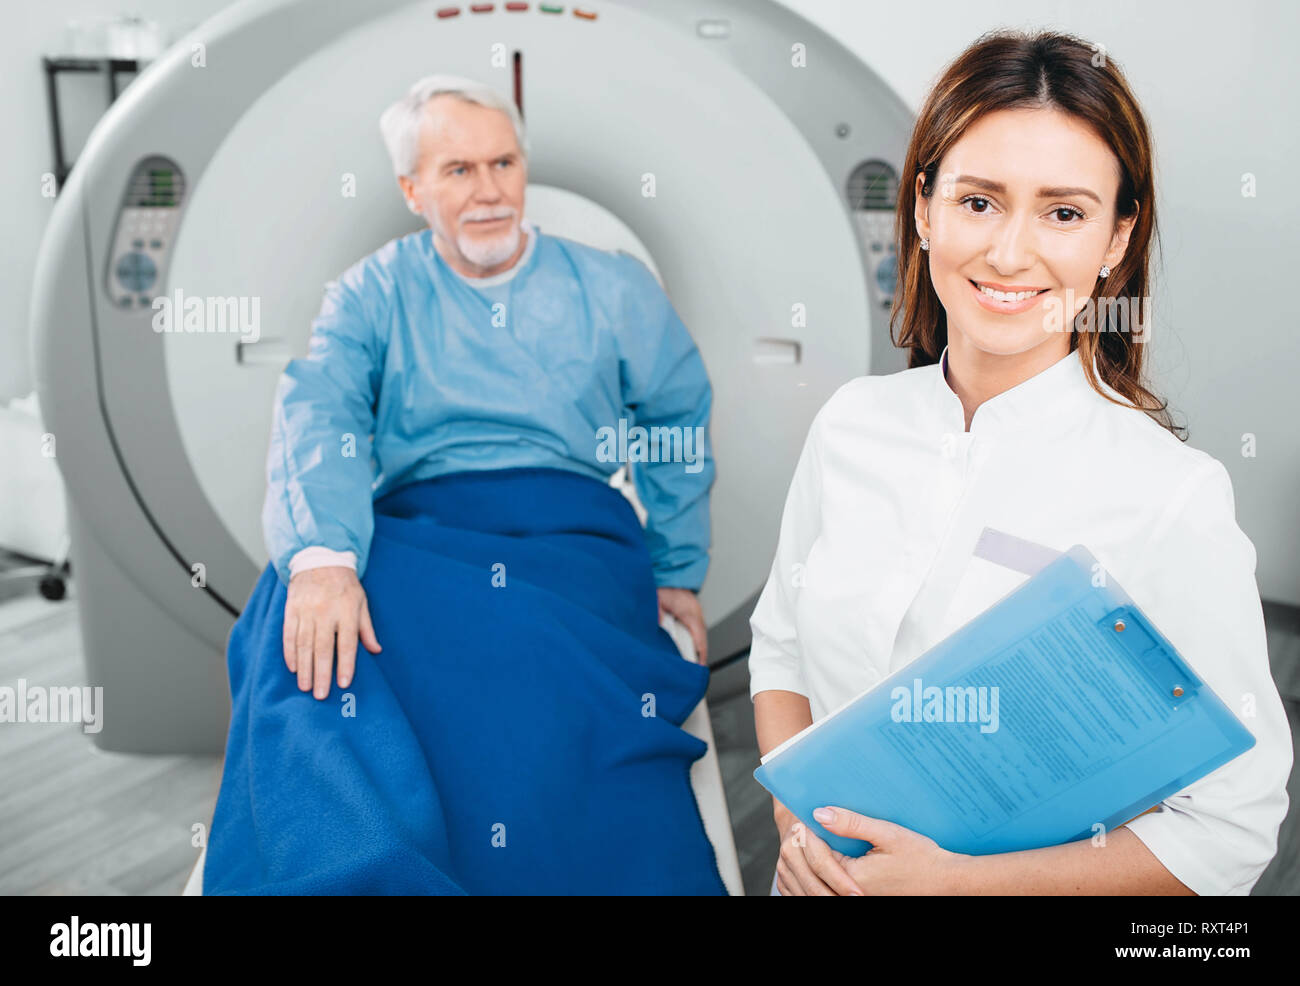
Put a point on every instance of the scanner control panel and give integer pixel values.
(146, 227)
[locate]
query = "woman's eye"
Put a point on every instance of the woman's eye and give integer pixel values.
(975, 198)
(1069, 211)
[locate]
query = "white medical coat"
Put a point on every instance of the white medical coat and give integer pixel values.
(874, 566)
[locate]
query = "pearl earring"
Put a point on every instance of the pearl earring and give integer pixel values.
(925, 243)
(1105, 270)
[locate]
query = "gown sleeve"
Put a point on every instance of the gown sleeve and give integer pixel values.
(665, 385)
(1197, 583)
(774, 655)
(320, 467)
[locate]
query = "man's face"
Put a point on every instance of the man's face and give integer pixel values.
(469, 184)
(1025, 200)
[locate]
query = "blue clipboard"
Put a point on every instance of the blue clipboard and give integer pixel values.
(1059, 709)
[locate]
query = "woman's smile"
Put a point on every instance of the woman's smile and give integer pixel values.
(1005, 302)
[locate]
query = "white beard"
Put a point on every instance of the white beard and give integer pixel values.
(489, 253)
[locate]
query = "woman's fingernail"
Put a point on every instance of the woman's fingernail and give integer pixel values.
(824, 814)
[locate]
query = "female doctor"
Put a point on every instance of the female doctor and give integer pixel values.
(1025, 410)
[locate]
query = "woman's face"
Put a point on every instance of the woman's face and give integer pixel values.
(1025, 200)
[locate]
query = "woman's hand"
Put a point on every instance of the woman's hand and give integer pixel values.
(323, 602)
(807, 866)
(900, 862)
(684, 605)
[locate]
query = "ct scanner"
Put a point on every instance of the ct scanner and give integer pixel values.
(224, 171)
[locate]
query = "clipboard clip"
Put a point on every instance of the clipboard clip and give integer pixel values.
(1129, 628)
(1132, 632)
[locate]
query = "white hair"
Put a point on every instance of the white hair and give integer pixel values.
(400, 123)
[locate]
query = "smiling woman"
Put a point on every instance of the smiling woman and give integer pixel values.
(1028, 207)
(1034, 197)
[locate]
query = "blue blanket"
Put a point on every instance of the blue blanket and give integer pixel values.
(516, 738)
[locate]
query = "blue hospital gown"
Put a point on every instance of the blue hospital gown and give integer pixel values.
(412, 373)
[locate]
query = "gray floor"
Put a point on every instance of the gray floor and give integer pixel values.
(74, 820)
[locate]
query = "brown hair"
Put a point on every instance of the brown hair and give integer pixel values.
(1016, 70)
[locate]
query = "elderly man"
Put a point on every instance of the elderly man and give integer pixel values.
(439, 480)
(459, 153)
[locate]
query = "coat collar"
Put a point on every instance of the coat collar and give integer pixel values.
(1048, 398)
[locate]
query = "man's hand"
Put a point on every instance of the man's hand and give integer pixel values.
(323, 602)
(684, 605)
(807, 866)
